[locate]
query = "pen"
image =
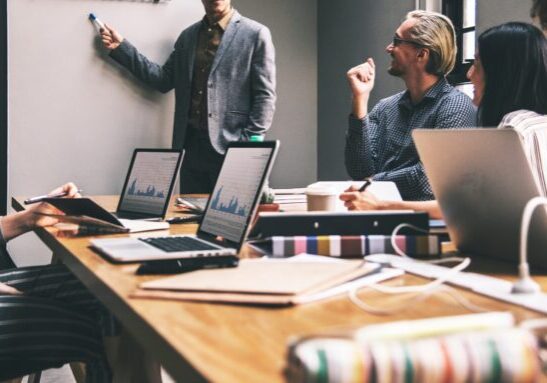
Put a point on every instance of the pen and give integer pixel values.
(188, 204)
(43, 197)
(365, 186)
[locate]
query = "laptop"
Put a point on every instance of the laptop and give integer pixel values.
(482, 180)
(149, 183)
(227, 217)
(143, 201)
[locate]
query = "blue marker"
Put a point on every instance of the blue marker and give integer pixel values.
(96, 21)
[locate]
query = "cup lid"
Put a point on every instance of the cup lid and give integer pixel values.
(320, 191)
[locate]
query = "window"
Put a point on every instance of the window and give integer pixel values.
(463, 15)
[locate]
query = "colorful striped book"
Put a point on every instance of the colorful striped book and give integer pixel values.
(350, 246)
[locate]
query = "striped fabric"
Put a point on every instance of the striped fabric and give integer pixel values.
(532, 128)
(354, 246)
(56, 321)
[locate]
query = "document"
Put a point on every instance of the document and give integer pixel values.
(265, 281)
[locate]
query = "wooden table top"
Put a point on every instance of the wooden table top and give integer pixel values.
(230, 343)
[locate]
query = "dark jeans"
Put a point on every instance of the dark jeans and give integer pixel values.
(201, 164)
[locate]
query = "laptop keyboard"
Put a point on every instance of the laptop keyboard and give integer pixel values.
(175, 244)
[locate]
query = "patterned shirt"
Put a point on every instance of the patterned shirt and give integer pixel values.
(380, 145)
(209, 38)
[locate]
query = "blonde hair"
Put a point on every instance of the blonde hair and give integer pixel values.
(435, 32)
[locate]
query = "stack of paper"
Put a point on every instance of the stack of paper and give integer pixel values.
(290, 196)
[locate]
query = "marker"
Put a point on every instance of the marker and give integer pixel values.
(96, 21)
(43, 197)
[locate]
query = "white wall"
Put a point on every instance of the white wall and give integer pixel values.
(75, 115)
(494, 12)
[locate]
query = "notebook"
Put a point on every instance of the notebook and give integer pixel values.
(227, 216)
(277, 282)
(93, 219)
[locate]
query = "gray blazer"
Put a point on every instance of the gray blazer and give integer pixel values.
(241, 86)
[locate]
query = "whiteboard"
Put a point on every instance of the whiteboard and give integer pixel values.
(73, 113)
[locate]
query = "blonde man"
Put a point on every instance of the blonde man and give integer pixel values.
(379, 144)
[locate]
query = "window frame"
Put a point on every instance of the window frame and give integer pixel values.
(454, 9)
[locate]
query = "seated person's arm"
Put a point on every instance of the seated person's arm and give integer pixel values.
(411, 181)
(360, 150)
(13, 225)
(19, 223)
(355, 200)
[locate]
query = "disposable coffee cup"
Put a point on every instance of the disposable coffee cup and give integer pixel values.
(321, 199)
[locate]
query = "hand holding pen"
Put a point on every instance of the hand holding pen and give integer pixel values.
(43, 214)
(359, 199)
(68, 190)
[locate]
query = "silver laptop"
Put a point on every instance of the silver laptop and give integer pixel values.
(149, 183)
(227, 216)
(482, 180)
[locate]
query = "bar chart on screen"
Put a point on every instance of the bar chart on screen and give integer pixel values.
(149, 181)
(235, 191)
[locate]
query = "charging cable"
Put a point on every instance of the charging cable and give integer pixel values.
(525, 284)
(417, 292)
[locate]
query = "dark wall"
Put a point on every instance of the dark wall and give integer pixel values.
(350, 31)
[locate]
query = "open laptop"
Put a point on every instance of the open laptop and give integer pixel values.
(149, 183)
(482, 181)
(227, 216)
(144, 198)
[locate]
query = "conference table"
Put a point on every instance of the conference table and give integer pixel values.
(234, 343)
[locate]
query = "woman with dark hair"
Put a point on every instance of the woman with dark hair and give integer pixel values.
(509, 72)
(539, 13)
(509, 76)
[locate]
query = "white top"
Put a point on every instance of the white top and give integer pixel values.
(532, 128)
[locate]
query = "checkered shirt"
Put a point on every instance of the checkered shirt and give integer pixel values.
(380, 145)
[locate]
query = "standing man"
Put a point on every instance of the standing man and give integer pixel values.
(379, 144)
(223, 71)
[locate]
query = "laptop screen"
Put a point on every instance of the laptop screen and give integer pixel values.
(149, 181)
(238, 187)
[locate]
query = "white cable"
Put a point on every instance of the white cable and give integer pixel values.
(431, 285)
(454, 294)
(425, 287)
(422, 291)
(525, 284)
(396, 231)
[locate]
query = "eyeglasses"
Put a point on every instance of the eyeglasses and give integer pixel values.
(398, 41)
